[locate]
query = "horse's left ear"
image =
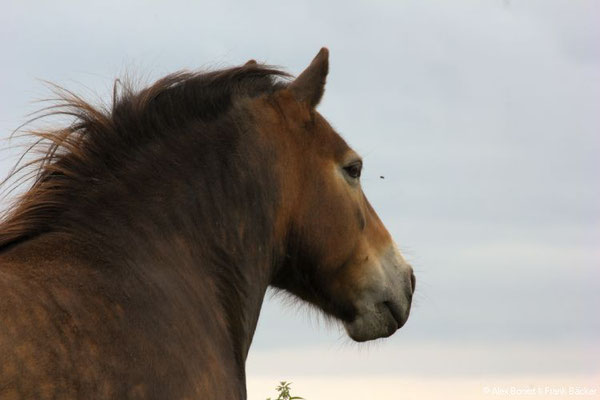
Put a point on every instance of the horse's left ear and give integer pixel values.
(310, 84)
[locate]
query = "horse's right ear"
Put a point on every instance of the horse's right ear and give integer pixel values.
(310, 84)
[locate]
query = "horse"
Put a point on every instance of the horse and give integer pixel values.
(136, 264)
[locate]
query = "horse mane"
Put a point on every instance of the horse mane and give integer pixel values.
(98, 137)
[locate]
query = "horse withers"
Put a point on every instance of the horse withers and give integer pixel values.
(136, 264)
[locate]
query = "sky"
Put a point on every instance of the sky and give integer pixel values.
(482, 116)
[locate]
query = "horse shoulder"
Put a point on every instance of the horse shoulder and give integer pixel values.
(55, 327)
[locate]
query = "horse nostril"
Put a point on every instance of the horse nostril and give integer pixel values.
(413, 281)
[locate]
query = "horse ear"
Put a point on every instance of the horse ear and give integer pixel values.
(250, 62)
(310, 84)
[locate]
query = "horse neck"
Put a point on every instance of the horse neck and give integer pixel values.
(198, 223)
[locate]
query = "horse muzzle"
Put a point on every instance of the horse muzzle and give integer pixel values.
(383, 306)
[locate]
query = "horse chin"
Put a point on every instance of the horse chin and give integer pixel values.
(379, 321)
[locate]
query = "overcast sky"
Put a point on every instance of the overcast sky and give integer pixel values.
(483, 117)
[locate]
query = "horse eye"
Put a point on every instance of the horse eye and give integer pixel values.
(353, 170)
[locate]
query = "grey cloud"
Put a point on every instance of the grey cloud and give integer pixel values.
(481, 116)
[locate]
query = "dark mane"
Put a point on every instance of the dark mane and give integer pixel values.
(137, 263)
(98, 139)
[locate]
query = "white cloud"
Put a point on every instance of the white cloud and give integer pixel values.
(428, 358)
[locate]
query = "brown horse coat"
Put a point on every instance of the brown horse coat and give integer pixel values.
(136, 265)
